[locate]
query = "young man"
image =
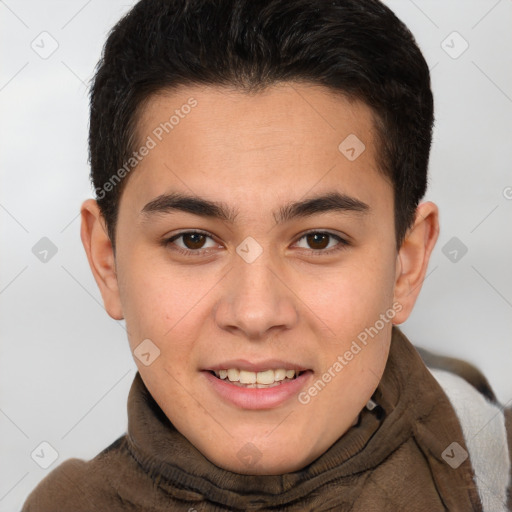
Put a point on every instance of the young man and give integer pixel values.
(258, 169)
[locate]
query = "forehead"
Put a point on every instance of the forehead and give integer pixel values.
(297, 113)
(288, 136)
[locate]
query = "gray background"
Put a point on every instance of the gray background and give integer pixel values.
(65, 366)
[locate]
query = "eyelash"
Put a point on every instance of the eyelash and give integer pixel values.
(342, 243)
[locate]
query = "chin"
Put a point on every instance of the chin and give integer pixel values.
(251, 461)
(267, 468)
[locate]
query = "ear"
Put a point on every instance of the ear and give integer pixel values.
(413, 257)
(100, 254)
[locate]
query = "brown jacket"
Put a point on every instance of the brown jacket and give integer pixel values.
(401, 456)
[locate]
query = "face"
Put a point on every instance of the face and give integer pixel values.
(252, 254)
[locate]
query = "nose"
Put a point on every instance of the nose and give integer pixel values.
(255, 301)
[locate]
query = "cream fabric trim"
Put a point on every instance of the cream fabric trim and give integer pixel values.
(483, 426)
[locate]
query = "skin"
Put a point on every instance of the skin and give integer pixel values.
(255, 153)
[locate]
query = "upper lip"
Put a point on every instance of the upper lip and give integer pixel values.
(268, 364)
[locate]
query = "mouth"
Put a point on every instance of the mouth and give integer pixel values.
(257, 384)
(261, 380)
(259, 389)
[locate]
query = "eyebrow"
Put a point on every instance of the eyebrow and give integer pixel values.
(330, 202)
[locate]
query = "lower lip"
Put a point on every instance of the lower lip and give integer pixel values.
(258, 398)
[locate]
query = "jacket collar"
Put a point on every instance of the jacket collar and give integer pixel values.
(407, 397)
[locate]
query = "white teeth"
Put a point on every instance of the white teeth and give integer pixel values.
(233, 375)
(247, 377)
(265, 378)
(279, 374)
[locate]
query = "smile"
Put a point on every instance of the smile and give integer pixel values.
(263, 379)
(263, 389)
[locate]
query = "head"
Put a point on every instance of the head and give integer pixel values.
(258, 169)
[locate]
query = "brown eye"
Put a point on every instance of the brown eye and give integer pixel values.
(190, 242)
(193, 240)
(318, 240)
(321, 242)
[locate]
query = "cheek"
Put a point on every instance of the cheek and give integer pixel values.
(353, 295)
(358, 310)
(156, 301)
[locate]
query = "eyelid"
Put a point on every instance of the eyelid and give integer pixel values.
(168, 240)
(343, 241)
(188, 231)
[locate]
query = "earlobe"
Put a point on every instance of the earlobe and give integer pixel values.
(413, 258)
(100, 255)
